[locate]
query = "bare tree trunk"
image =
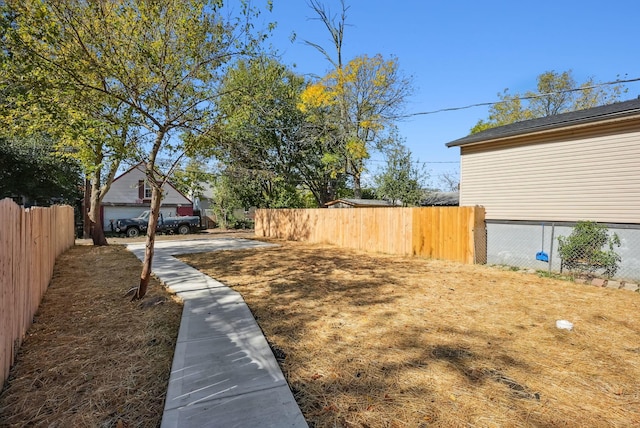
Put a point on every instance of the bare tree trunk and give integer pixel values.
(95, 222)
(357, 187)
(97, 234)
(354, 169)
(156, 198)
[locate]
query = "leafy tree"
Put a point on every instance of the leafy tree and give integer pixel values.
(225, 199)
(34, 172)
(234, 188)
(504, 112)
(402, 179)
(100, 145)
(325, 166)
(267, 141)
(259, 137)
(555, 93)
(262, 189)
(37, 100)
(362, 98)
(590, 248)
(162, 61)
(192, 178)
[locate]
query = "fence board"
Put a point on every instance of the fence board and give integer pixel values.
(448, 233)
(30, 241)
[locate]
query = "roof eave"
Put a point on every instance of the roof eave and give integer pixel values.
(545, 130)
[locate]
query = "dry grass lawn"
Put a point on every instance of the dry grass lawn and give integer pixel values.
(385, 341)
(92, 358)
(364, 341)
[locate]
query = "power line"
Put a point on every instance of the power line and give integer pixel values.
(418, 161)
(529, 97)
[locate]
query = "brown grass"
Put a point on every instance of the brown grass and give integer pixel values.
(386, 341)
(92, 358)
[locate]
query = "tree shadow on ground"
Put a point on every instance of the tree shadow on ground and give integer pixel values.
(372, 340)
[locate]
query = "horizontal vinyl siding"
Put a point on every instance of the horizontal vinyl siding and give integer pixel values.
(589, 178)
(124, 190)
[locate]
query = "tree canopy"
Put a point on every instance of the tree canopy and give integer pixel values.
(357, 101)
(361, 101)
(260, 134)
(158, 64)
(32, 171)
(555, 93)
(401, 180)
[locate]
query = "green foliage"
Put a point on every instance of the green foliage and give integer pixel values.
(265, 138)
(555, 93)
(554, 275)
(358, 103)
(141, 74)
(401, 180)
(191, 179)
(244, 223)
(32, 171)
(504, 112)
(224, 200)
(152, 68)
(590, 248)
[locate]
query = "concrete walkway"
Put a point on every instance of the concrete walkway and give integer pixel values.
(224, 373)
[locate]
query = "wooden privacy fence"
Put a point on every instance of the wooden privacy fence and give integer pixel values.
(446, 233)
(30, 241)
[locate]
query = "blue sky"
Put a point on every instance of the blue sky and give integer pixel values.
(464, 52)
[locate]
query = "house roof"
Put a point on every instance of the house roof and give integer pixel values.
(441, 199)
(361, 202)
(613, 111)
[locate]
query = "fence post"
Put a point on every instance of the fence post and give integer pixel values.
(553, 230)
(480, 235)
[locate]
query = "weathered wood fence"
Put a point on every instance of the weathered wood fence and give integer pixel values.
(446, 233)
(30, 241)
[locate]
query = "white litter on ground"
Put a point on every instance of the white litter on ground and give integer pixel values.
(564, 324)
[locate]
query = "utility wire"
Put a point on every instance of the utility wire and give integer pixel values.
(528, 97)
(417, 161)
(484, 104)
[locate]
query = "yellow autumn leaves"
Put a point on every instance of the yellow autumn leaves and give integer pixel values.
(359, 86)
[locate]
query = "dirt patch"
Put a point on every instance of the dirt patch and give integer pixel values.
(385, 341)
(93, 358)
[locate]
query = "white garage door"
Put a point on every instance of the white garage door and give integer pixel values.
(114, 213)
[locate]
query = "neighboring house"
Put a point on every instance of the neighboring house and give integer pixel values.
(441, 199)
(206, 205)
(130, 195)
(358, 203)
(557, 170)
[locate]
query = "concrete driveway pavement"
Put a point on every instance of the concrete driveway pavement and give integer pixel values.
(224, 373)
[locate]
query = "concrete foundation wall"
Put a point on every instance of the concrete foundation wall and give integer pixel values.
(517, 243)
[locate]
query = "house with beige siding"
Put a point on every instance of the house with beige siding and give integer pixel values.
(555, 171)
(130, 195)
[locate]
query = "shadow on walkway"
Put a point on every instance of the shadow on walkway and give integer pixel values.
(224, 373)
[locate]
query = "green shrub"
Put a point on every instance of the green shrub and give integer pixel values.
(243, 224)
(589, 248)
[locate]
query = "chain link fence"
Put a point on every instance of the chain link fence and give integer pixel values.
(582, 250)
